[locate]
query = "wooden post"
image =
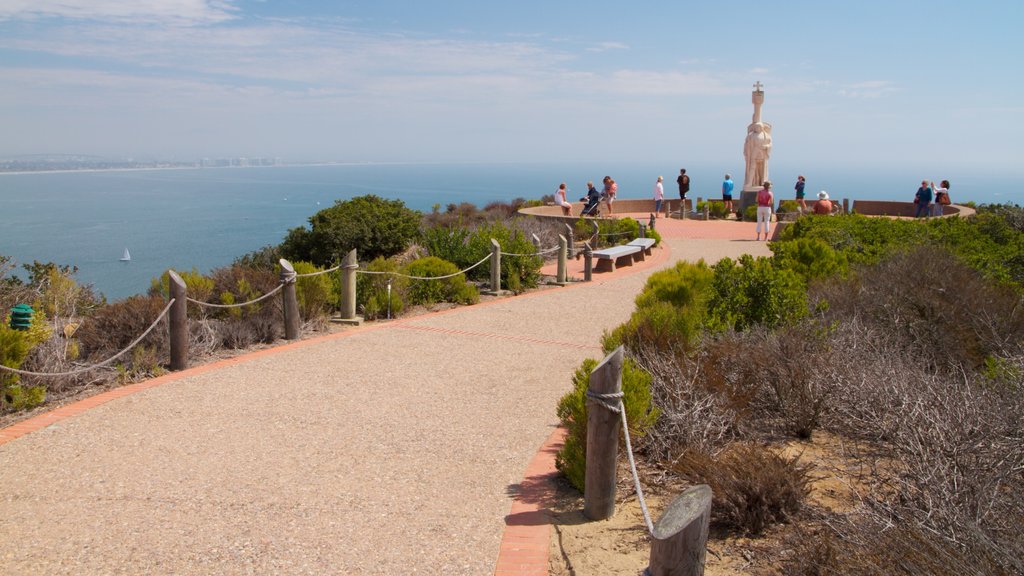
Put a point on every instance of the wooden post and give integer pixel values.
(495, 269)
(588, 262)
(846, 205)
(679, 541)
(650, 222)
(536, 241)
(597, 234)
(560, 278)
(569, 236)
(643, 229)
(291, 302)
(349, 265)
(602, 439)
(178, 322)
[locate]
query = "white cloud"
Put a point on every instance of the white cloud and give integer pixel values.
(606, 46)
(138, 11)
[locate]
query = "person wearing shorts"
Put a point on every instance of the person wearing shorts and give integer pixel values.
(727, 187)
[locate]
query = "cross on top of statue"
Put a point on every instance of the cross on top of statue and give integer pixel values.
(758, 86)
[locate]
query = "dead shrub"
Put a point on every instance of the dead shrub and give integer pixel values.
(927, 303)
(260, 328)
(116, 325)
(861, 546)
(752, 486)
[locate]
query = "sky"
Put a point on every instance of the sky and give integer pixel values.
(860, 84)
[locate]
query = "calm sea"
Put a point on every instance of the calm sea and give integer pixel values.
(205, 218)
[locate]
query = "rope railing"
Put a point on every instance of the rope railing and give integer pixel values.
(619, 408)
(318, 273)
(99, 364)
(239, 304)
(452, 275)
(538, 253)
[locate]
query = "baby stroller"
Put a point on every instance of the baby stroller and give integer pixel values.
(593, 202)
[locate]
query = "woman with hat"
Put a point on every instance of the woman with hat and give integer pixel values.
(823, 205)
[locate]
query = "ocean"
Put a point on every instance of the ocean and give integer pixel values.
(204, 218)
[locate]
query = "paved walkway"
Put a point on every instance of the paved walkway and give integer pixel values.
(393, 448)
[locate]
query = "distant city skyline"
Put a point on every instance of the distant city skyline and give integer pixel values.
(926, 84)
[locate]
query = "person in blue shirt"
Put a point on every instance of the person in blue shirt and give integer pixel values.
(727, 187)
(923, 199)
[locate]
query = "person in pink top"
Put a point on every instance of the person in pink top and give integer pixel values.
(610, 189)
(765, 201)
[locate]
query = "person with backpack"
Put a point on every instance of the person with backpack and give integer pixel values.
(765, 202)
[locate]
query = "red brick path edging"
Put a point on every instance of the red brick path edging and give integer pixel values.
(527, 538)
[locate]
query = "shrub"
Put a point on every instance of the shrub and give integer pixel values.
(237, 283)
(750, 213)
(373, 226)
(752, 487)
(116, 325)
(14, 348)
(811, 258)
(517, 272)
(452, 289)
(572, 412)
(197, 287)
(372, 296)
(451, 243)
(670, 311)
(717, 210)
(789, 206)
(752, 291)
(315, 294)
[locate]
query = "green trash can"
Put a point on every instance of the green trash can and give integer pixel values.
(21, 317)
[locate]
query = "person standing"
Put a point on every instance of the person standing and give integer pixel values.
(659, 196)
(610, 190)
(800, 182)
(941, 197)
(727, 187)
(923, 199)
(765, 201)
(684, 186)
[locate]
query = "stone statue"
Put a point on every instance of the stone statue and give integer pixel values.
(758, 146)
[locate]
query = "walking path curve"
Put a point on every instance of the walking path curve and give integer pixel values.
(392, 448)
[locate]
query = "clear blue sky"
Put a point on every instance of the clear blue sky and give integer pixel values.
(853, 83)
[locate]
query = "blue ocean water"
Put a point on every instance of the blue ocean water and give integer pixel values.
(205, 218)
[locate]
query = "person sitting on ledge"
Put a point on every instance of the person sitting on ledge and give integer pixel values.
(823, 205)
(562, 201)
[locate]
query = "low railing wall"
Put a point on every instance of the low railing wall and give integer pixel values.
(903, 209)
(620, 206)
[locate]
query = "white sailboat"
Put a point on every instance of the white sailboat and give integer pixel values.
(127, 257)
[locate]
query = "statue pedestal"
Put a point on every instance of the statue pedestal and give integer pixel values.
(747, 198)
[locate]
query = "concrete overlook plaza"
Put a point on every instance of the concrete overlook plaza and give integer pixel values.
(392, 448)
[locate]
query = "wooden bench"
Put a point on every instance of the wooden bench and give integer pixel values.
(645, 244)
(609, 257)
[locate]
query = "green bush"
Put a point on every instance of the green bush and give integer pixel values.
(518, 273)
(717, 210)
(15, 346)
(752, 291)
(571, 460)
(451, 243)
(314, 293)
(372, 295)
(811, 258)
(670, 310)
(370, 224)
(750, 213)
(788, 206)
(453, 289)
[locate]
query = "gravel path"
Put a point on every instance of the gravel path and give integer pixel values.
(387, 450)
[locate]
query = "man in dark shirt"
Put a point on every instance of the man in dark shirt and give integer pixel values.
(684, 187)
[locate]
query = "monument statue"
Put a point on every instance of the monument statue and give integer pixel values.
(758, 146)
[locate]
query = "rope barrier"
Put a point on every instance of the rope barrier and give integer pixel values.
(620, 409)
(614, 234)
(548, 251)
(486, 258)
(239, 305)
(328, 271)
(100, 364)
